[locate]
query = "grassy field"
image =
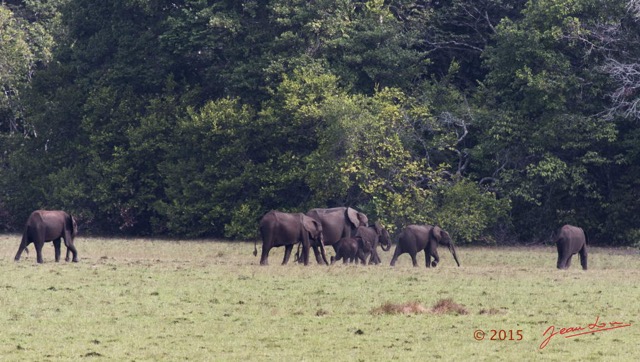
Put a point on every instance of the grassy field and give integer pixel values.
(153, 300)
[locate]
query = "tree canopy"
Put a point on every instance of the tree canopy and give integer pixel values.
(497, 120)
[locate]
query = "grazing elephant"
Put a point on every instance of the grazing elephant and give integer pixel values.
(416, 238)
(349, 248)
(46, 225)
(373, 235)
(280, 228)
(337, 223)
(571, 240)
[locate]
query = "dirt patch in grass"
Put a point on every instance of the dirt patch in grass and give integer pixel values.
(443, 306)
(491, 311)
(400, 308)
(448, 306)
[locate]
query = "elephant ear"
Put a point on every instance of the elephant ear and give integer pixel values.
(378, 228)
(436, 233)
(363, 244)
(356, 218)
(75, 226)
(70, 223)
(311, 225)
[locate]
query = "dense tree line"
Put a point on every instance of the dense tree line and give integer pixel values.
(498, 120)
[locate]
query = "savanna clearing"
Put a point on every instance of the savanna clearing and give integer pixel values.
(143, 299)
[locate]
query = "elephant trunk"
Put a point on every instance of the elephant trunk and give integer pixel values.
(322, 252)
(452, 249)
(385, 239)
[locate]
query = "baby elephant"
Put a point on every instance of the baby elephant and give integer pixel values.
(571, 240)
(348, 248)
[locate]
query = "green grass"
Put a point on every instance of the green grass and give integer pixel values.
(144, 299)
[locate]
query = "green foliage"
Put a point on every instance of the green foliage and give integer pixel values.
(381, 164)
(203, 172)
(242, 218)
(26, 40)
(547, 142)
(193, 118)
(468, 212)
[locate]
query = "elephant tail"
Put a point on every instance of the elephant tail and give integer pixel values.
(255, 242)
(25, 241)
(586, 238)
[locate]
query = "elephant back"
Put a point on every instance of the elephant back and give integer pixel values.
(368, 234)
(338, 222)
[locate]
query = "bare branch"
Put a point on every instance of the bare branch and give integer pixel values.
(626, 98)
(633, 6)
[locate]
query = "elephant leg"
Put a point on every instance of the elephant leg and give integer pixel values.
(436, 258)
(39, 246)
(71, 248)
(287, 253)
(22, 247)
(56, 246)
(432, 250)
(413, 259)
(323, 253)
(375, 258)
(427, 259)
(568, 264)
(298, 256)
(564, 260)
(396, 254)
(316, 252)
(264, 258)
(68, 242)
(305, 252)
(19, 253)
(583, 257)
(563, 256)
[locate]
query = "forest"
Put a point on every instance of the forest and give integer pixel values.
(499, 120)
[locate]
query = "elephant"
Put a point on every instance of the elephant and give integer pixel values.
(571, 240)
(49, 225)
(416, 238)
(373, 235)
(337, 223)
(349, 248)
(280, 228)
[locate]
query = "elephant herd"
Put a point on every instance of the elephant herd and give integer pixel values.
(345, 229)
(348, 232)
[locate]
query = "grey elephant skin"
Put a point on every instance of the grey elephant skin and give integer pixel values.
(287, 229)
(416, 238)
(373, 235)
(337, 223)
(348, 249)
(49, 225)
(571, 240)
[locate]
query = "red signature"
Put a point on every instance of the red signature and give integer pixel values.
(569, 332)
